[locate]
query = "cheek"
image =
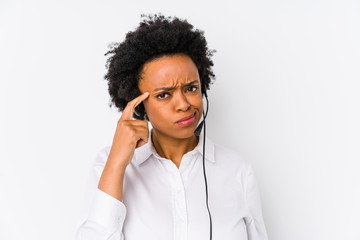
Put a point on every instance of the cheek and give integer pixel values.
(154, 110)
(198, 102)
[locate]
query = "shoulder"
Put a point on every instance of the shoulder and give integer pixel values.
(102, 155)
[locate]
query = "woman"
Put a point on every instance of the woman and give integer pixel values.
(149, 183)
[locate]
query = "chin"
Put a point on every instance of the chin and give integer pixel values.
(178, 132)
(186, 133)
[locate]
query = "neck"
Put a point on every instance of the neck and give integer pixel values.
(173, 148)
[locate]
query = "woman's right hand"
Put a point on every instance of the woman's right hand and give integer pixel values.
(129, 135)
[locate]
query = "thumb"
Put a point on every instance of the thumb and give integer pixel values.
(140, 143)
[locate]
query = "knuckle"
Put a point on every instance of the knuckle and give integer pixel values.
(129, 128)
(131, 103)
(145, 123)
(121, 123)
(124, 124)
(133, 135)
(128, 105)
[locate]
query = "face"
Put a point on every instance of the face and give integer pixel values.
(174, 106)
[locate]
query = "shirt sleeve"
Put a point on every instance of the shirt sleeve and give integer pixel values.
(103, 215)
(255, 224)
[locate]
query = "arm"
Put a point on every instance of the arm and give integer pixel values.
(104, 211)
(103, 216)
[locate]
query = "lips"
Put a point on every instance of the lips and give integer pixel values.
(186, 120)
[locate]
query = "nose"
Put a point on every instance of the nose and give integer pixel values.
(181, 102)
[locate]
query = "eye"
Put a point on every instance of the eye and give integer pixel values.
(162, 95)
(192, 89)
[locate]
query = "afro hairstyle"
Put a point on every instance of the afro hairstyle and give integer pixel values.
(156, 36)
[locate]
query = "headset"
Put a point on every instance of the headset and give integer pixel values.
(197, 133)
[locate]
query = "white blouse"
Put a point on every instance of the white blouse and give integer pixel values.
(163, 202)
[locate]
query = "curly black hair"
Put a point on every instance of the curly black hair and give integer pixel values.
(156, 36)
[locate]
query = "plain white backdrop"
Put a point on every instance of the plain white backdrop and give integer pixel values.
(286, 96)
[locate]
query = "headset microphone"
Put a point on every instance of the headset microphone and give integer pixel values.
(199, 128)
(197, 133)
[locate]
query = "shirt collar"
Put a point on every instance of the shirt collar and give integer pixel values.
(144, 152)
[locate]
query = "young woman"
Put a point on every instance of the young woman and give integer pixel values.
(151, 183)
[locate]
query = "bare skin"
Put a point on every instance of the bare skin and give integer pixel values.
(171, 91)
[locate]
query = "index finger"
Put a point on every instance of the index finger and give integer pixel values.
(130, 107)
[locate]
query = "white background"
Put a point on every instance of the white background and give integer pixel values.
(286, 96)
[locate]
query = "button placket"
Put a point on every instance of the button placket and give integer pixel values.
(180, 213)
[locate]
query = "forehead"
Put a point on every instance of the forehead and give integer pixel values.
(168, 71)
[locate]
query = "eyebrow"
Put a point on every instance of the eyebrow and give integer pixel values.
(171, 88)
